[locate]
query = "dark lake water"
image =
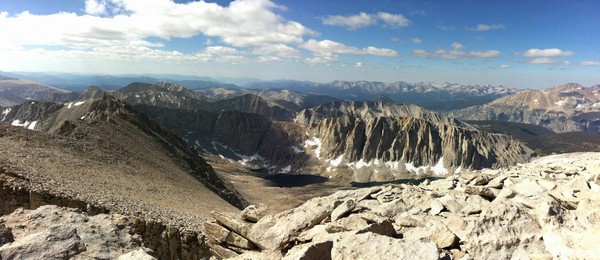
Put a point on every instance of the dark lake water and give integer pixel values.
(401, 181)
(294, 180)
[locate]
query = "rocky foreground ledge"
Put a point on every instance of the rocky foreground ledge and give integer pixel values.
(549, 208)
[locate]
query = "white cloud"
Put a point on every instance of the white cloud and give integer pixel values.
(546, 53)
(546, 60)
(505, 66)
(236, 24)
(486, 27)
(589, 63)
(359, 65)
(457, 46)
(416, 40)
(279, 50)
(485, 54)
(95, 7)
(353, 22)
(393, 20)
(328, 46)
(221, 50)
(456, 52)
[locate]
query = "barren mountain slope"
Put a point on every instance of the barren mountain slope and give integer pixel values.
(116, 158)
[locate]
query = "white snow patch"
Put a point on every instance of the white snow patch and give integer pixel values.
(439, 168)
(79, 103)
(32, 125)
(336, 162)
(5, 113)
(286, 169)
(559, 103)
(26, 124)
(314, 142)
(69, 105)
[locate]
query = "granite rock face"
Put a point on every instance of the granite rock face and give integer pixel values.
(545, 209)
(51, 232)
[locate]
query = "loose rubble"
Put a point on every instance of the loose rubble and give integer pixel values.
(548, 208)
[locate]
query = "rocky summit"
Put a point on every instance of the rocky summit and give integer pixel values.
(546, 209)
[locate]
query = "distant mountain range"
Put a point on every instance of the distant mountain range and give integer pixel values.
(564, 108)
(433, 96)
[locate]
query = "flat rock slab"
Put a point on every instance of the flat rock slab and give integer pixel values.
(370, 246)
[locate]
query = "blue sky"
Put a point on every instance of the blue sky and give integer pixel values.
(523, 44)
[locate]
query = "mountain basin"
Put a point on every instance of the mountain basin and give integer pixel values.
(294, 180)
(412, 181)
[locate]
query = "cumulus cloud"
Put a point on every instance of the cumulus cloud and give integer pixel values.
(455, 52)
(546, 60)
(393, 20)
(486, 27)
(505, 66)
(95, 7)
(353, 22)
(531, 53)
(137, 20)
(328, 46)
(416, 40)
(589, 63)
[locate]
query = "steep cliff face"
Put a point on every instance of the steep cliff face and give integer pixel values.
(244, 137)
(379, 141)
(564, 108)
(370, 109)
(390, 141)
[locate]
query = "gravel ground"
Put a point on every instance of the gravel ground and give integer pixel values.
(110, 164)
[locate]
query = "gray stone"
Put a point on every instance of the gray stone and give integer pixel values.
(254, 212)
(232, 222)
(441, 235)
(436, 207)
(222, 252)
(352, 222)
(56, 242)
(384, 228)
(371, 245)
(239, 241)
(343, 209)
(216, 232)
(274, 231)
